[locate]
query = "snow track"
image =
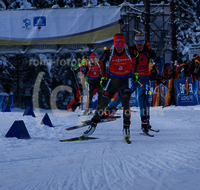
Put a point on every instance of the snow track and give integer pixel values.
(169, 161)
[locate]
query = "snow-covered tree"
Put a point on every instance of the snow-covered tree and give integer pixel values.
(2, 6)
(187, 21)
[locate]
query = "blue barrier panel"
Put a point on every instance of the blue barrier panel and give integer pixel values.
(95, 101)
(183, 99)
(134, 99)
(6, 108)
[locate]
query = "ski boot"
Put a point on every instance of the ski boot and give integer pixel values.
(90, 129)
(90, 111)
(126, 131)
(145, 126)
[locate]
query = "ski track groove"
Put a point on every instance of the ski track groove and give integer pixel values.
(124, 167)
(141, 169)
(104, 170)
(82, 170)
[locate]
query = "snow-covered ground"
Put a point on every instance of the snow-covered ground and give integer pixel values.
(168, 161)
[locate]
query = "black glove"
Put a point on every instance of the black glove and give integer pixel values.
(160, 80)
(81, 88)
(84, 70)
(103, 82)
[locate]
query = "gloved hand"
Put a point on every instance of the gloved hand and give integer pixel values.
(103, 82)
(84, 70)
(80, 88)
(160, 80)
(136, 77)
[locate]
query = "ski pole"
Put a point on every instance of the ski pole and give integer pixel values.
(149, 92)
(75, 79)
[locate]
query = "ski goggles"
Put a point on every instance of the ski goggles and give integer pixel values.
(139, 39)
(119, 45)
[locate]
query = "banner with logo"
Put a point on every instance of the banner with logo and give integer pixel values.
(134, 99)
(95, 100)
(193, 49)
(163, 93)
(156, 96)
(169, 97)
(59, 26)
(182, 98)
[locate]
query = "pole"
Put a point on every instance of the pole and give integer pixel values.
(147, 19)
(173, 31)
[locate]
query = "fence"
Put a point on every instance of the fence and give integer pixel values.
(179, 92)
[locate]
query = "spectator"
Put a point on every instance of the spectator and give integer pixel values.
(171, 73)
(184, 70)
(165, 73)
(177, 72)
(153, 74)
(196, 73)
(192, 63)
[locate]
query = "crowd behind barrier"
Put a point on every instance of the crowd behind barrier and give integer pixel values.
(179, 92)
(181, 86)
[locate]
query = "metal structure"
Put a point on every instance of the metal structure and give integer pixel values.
(134, 19)
(41, 48)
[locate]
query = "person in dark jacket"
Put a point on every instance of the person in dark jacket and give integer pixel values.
(154, 74)
(77, 90)
(196, 73)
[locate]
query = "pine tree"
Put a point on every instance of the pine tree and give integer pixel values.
(187, 23)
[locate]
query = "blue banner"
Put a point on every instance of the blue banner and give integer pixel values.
(134, 99)
(95, 101)
(183, 99)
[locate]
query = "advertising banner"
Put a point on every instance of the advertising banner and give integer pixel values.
(168, 97)
(193, 49)
(182, 98)
(156, 96)
(59, 26)
(95, 100)
(134, 99)
(163, 93)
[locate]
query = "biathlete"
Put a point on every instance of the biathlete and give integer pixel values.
(146, 53)
(92, 70)
(117, 75)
